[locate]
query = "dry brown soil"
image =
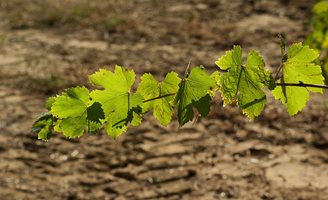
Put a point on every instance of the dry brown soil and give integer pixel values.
(50, 45)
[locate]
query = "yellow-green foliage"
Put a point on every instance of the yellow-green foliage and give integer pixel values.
(318, 38)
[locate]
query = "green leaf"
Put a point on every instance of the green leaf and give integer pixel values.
(150, 88)
(73, 127)
(95, 113)
(124, 109)
(50, 102)
(194, 92)
(299, 68)
(244, 83)
(325, 71)
(232, 58)
(95, 117)
(43, 125)
(94, 127)
(57, 127)
(121, 80)
(319, 36)
(75, 112)
(320, 8)
(136, 119)
(72, 103)
(71, 110)
(120, 106)
(216, 76)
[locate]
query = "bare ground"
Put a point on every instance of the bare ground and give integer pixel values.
(49, 46)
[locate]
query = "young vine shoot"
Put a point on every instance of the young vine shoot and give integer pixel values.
(113, 105)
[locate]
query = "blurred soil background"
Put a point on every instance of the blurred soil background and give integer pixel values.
(49, 45)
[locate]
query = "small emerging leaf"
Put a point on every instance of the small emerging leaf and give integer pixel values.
(43, 125)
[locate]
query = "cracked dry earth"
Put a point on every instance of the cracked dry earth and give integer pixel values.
(222, 157)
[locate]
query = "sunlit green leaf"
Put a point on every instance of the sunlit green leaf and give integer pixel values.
(244, 83)
(194, 92)
(299, 68)
(119, 104)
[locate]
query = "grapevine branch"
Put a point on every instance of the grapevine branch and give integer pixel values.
(282, 39)
(278, 71)
(235, 79)
(301, 84)
(159, 97)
